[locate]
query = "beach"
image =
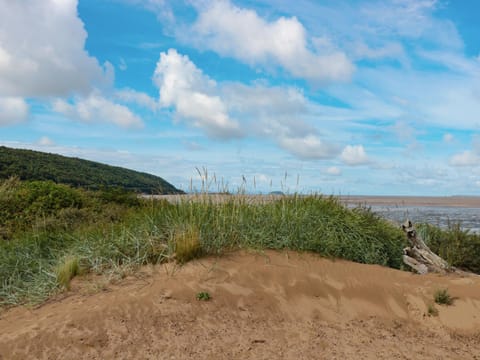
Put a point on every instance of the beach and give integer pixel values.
(264, 305)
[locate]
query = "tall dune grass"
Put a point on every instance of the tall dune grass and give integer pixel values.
(38, 263)
(459, 247)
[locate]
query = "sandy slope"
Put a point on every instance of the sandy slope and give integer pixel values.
(271, 306)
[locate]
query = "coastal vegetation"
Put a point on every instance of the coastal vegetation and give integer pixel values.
(442, 297)
(459, 247)
(52, 232)
(40, 166)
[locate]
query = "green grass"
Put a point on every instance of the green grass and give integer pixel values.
(442, 297)
(52, 233)
(67, 270)
(40, 261)
(203, 296)
(185, 241)
(459, 247)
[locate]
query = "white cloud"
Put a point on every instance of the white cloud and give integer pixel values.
(307, 147)
(122, 64)
(96, 108)
(354, 155)
(333, 170)
(45, 141)
(242, 34)
(136, 97)
(193, 95)
(408, 96)
(410, 19)
(404, 131)
(270, 111)
(466, 158)
(448, 138)
(390, 50)
(261, 111)
(12, 110)
(161, 8)
(42, 50)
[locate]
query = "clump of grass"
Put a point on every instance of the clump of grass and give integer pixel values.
(203, 296)
(442, 297)
(67, 270)
(432, 310)
(186, 243)
(459, 247)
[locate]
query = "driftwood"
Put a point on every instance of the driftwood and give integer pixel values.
(419, 257)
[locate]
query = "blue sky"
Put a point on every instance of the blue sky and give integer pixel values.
(342, 97)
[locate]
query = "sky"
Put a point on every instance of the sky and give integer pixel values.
(330, 96)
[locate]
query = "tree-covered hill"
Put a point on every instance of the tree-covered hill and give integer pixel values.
(35, 165)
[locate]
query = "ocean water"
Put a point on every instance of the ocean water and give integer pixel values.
(469, 218)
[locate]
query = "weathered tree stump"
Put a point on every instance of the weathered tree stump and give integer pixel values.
(418, 255)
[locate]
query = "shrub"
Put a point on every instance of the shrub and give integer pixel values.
(442, 297)
(119, 196)
(203, 296)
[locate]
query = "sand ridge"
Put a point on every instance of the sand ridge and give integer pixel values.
(270, 305)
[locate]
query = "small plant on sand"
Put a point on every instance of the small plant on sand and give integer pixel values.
(442, 297)
(432, 310)
(203, 296)
(67, 270)
(186, 242)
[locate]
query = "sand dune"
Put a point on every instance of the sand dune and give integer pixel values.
(275, 305)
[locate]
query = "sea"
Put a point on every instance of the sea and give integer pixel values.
(468, 218)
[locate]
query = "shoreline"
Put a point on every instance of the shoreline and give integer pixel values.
(421, 201)
(369, 200)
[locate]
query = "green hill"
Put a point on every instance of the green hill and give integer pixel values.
(35, 165)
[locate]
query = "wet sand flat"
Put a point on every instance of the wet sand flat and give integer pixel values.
(440, 201)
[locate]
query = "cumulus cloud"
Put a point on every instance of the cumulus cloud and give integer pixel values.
(354, 155)
(278, 113)
(12, 110)
(259, 110)
(242, 34)
(136, 97)
(193, 95)
(96, 108)
(273, 111)
(42, 50)
(307, 147)
(466, 158)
